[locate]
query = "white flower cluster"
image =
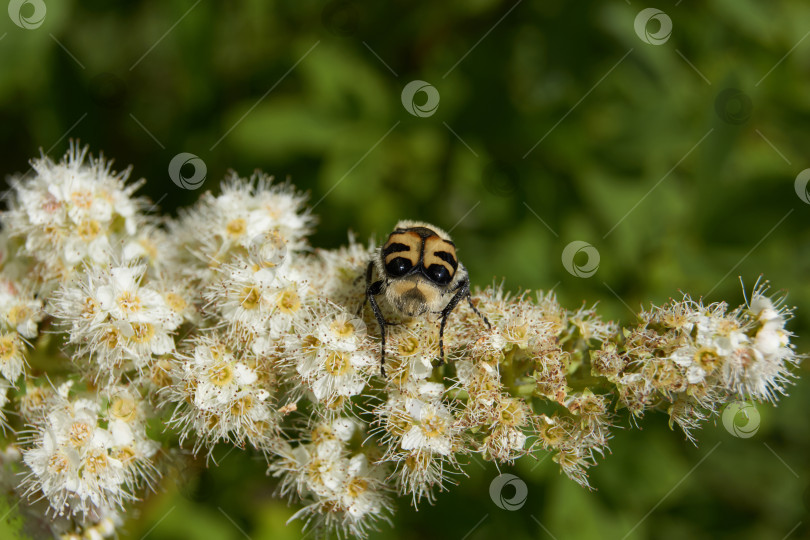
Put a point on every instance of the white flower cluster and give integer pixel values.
(20, 314)
(341, 490)
(225, 326)
(250, 217)
(115, 320)
(696, 357)
(70, 213)
(337, 358)
(221, 394)
(87, 460)
(80, 257)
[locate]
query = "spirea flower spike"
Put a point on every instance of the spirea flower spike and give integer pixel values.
(226, 327)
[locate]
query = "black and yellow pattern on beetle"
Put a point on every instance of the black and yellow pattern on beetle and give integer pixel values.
(417, 270)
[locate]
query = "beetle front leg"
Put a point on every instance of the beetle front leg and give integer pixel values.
(462, 290)
(371, 291)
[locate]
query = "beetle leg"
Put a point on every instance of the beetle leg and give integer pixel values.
(372, 290)
(369, 270)
(462, 290)
(475, 309)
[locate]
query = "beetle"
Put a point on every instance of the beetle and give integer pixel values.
(419, 272)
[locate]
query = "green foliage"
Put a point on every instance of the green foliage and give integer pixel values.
(11, 526)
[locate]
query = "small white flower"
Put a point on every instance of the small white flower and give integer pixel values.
(431, 430)
(112, 318)
(69, 212)
(342, 332)
(77, 463)
(695, 374)
(221, 396)
(19, 310)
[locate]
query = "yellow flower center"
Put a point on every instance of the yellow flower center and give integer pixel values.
(88, 229)
(143, 332)
(212, 421)
(242, 406)
(357, 487)
(675, 320)
(8, 347)
(553, 434)
(123, 408)
(52, 233)
(175, 302)
(418, 462)
(18, 313)
(33, 399)
(310, 344)
(314, 471)
(250, 298)
(517, 332)
(159, 374)
(125, 455)
(337, 363)
(149, 247)
(189, 390)
(334, 403)
(58, 463)
(90, 308)
(726, 327)
(219, 351)
(321, 433)
(288, 302)
(512, 413)
(342, 329)
(236, 227)
(567, 459)
(707, 358)
(111, 337)
(79, 434)
(96, 462)
(408, 346)
(129, 302)
(82, 198)
(221, 374)
(432, 425)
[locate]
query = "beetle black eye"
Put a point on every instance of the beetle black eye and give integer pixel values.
(398, 267)
(439, 274)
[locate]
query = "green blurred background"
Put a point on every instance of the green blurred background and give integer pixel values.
(556, 123)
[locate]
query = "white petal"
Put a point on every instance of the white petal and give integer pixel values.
(122, 434)
(105, 297)
(431, 389)
(244, 375)
(162, 343)
(343, 429)
(695, 374)
(413, 439)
